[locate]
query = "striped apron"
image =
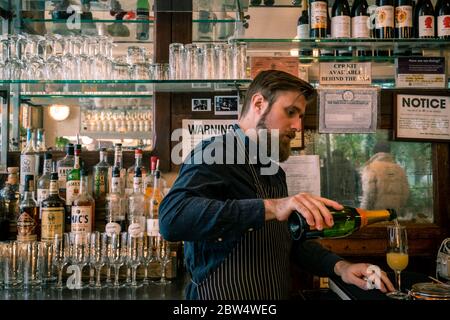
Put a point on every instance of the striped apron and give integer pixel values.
(258, 268)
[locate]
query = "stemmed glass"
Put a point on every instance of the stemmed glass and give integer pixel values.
(60, 255)
(134, 255)
(397, 256)
(148, 256)
(163, 256)
(97, 254)
(79, 256)
(116, 253)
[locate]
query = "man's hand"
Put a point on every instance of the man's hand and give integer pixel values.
(312, 207)
(357, 274)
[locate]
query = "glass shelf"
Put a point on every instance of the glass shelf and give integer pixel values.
(261, 44)
(121, 88)
(117, 135)
(26, 20)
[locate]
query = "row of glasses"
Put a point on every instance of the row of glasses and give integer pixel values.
(208, 61)
(132, 119)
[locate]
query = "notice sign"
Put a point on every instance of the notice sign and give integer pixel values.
(302, 174)
(195, 131)
(345, 73)
(422, 117)
(344, 110)
(420, 72)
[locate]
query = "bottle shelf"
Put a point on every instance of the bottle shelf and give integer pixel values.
(83, 21)
(121, 88)
(117, 135)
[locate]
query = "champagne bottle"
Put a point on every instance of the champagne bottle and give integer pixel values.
(346, 221)
(443, 19)
(318, 10)
(426, 20)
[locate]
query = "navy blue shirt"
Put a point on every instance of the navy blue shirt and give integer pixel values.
(210, 207)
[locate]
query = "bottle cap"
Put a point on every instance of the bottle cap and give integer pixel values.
(69, 149)
(138, 151)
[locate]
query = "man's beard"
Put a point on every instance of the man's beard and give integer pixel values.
(284, 150)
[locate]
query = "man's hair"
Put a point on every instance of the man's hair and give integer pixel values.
(270, 82)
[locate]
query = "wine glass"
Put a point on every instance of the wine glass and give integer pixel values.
(397, 256)
(60, 255)
(134, 255)
(116, 253)
(163, 255)
(97, 254)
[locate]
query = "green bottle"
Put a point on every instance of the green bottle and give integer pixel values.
(72, 186)
(143, 14)
(346, 221)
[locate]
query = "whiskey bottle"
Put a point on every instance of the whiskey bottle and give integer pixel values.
(28, 159)
(83, 208)
(9, 200)
(28, 218)
(52, 211)
(64, 166)
(101, 189)
(72, 186)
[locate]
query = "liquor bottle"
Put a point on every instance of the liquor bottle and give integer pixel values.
(143, 14)
(118, 162)
(384, 19)
(318, 10)
(28, 159)
(360, 25)
(28, 227)
(346, 221)
(43, 184)
(150, 179)
(52, 211)
(425, 14)
(116, 206)
(83, 208)
(155, 200)
(340, 19)
(131, 170)
(64, 166)
(416, 6)
(303, 29)
(9, 200)
(72, 186)
(328, 51)
(443, 19)
(137, 206)
(403, 19)
(101, 188)
(40, 140)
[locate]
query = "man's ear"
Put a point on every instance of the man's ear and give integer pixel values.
(258, 103)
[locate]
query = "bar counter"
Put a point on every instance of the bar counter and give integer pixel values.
(172, 291)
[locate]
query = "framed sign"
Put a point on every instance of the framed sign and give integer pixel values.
(422, 115)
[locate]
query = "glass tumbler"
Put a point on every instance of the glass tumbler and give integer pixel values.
(176, 63)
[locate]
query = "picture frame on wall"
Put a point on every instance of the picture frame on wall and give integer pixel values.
(226, 105)
(200, 104)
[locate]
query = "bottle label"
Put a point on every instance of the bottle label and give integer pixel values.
(340, 27)
(115, 185)
(100, 184)
(443, 26)
(81, 219)
(27, 166)
(26, 227)
(303, 31)
(384, 17)
(137, 184)
(72, 190)
(135, 230)
(319, 15)
(42, 194)
(52, 223)
(426, 26)
(403, 17)
(111, 228)
(62, 175)
(360, 27)
(152, 227)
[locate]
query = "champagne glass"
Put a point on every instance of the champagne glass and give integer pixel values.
(134, 255)
(163, 255)
(60, 255)
(97, 254)
(397, 256)
(116, 253)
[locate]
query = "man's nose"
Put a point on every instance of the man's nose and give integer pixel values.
(296, 124)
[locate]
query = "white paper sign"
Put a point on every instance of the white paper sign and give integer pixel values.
(423, 117)
(344, 110)
(195, 131)
(302, 174)
(345, 73)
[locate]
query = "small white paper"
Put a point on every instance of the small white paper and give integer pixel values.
(302, 174)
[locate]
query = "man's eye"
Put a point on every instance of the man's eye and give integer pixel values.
(291, 112)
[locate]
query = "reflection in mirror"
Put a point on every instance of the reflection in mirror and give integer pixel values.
(369, 171)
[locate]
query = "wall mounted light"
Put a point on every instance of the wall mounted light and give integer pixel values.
(59, 112)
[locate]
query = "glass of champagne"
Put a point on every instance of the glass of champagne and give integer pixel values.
(397, 256)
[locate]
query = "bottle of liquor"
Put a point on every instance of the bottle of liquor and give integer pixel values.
(443, 19)
(116, 206)
(137, 205)
(318, 10)
(64, 166)
(28, 227)
(28, 159)
(340, 19)
(52, 211)
(416, 5)
(118, 162)
(384, 19)
(150, 179)
(83, 208)
(143, 14)
(9, 200)
(72, 186)
(425, 15)
(43, 184)
(155, 200)
(360, 25)
(101, 188)
(131, 170)
(40, 140)
(303, 29)
(403, 19)
(346, 221)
